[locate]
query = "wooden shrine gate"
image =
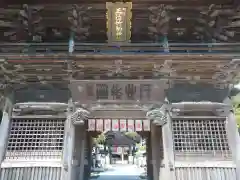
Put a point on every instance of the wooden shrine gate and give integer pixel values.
(113, 105)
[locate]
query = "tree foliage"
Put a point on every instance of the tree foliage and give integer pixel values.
(100, 139)
(236, 105)
(131, 135)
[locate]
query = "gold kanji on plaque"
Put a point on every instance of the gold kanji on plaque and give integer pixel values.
(119, 17)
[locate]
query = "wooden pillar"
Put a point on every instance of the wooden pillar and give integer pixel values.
(82, 153)
(149, 157)
(78, 153)
(122, 155)
(110, 154)
(155, 139)
(4, 128)
(87, 171)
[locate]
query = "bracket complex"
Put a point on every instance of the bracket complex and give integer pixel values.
(80, 116)
(158, 115)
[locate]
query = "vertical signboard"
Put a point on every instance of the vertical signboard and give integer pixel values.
(99, 125)
(130, 125)
(123, 126)
(91, 125)
(119, 17)
(138, 125)
(107, 125)
(115, 125)
(146, 125)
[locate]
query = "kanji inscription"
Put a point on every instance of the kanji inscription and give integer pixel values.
(119, 21)
(145, 91)
(90, 90)
(118, 90)
(130, 90)
(101, 91)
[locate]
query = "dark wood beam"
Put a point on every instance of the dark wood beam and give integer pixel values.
(175, 2)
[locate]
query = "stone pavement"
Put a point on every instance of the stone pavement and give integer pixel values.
(120, 172)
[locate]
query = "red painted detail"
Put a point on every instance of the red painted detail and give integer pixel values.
(118, 124)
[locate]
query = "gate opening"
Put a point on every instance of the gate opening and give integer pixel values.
(121, 144)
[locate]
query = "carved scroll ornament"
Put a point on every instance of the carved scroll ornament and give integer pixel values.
(158, 115)
(80, 116)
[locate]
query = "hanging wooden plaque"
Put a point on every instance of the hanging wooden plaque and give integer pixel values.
(138, 125)
(99, 125)
(91, 125)
(107, 125)
(115, 125)
(130, 125)
(123, 126)
(119, 17)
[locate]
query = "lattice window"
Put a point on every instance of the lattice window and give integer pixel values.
(35, 138)
(200, 137)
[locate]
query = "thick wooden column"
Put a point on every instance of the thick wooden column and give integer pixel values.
(156, 135)
(4, 127)
(149, 158)
(87, 167)
(79, 152)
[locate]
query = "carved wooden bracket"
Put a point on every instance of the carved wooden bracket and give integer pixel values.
(160, 17)
(78, 17)
(227, 73)
(118, 68)
(164, 69)
(158, 115)
(27, 27)
(80, 116)
(214, 23)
